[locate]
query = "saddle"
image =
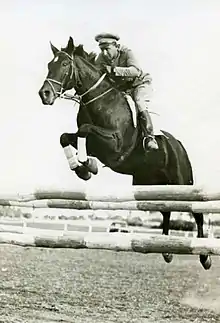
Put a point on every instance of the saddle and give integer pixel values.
(134, 115)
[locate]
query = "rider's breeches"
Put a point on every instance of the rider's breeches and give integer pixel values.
(141, 95)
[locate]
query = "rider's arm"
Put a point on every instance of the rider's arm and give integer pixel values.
(131, 70)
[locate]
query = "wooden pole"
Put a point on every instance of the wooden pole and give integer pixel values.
(119, 194)
(141, 243)
(177, 206)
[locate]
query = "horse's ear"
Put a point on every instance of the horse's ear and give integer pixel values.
(70, 46)
(54, 49)
(79, 50)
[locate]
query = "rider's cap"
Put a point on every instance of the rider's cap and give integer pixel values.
(106, 38)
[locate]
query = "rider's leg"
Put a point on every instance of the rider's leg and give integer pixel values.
(141, 96)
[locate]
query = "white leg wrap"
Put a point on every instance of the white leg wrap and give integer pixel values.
(71, 158)
(81, 145)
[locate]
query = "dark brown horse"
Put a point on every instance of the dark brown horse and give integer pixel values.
(106, 130)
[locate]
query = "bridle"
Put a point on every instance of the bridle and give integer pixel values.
(76, 97)
(52, 81)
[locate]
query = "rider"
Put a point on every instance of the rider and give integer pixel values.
(121, 65)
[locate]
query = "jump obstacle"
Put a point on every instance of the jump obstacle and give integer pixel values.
(152, 198)
(178, 198)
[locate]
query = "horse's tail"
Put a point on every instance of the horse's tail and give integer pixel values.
(179, 161)
(188, 166)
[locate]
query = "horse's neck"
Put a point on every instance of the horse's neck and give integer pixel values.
(88, 77)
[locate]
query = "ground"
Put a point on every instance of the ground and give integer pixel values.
(85, 286)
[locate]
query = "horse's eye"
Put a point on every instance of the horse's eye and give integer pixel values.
(65, 63)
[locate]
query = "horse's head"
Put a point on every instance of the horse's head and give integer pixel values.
(63, 73)
(60, 72)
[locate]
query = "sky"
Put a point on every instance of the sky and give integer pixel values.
(176, 41)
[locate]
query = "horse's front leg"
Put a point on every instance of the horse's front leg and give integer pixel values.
(89, 163)
(79, 163)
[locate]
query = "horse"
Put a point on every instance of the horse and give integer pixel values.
(106, 131)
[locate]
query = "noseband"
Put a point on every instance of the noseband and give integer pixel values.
(77, 98)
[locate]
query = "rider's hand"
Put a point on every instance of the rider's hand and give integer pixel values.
(108, 69)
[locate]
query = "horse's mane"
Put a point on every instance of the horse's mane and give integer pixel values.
(90, 58)
(80, 51)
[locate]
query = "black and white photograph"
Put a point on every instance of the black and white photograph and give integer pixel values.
(110, 161)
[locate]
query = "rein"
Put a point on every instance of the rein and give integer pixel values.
(77, 98)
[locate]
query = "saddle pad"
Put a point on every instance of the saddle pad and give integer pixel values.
(154, 116)
(131, 105)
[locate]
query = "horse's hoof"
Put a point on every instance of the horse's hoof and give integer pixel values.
(206, 262)
(168, 257)
(82, 172)
(91, 165)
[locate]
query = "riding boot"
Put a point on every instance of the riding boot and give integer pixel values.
(149, 141)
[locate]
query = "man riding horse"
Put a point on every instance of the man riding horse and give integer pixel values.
(121, 66)
(106, 127)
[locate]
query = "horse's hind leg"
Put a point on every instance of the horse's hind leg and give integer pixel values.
(204, 259)
(166, 224)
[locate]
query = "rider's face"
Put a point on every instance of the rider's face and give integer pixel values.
(109, 50)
